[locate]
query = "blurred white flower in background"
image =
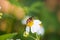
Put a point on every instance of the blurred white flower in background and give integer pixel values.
(1, 14)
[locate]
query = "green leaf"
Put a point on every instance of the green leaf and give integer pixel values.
(7, 36)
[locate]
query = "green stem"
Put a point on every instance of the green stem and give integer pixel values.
(32, 37)
(37, 36)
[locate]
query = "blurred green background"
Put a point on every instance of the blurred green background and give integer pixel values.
(48, 11)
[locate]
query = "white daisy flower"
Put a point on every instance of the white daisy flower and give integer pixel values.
(36, 28)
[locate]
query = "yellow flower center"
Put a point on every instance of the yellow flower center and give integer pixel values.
(30, 23)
